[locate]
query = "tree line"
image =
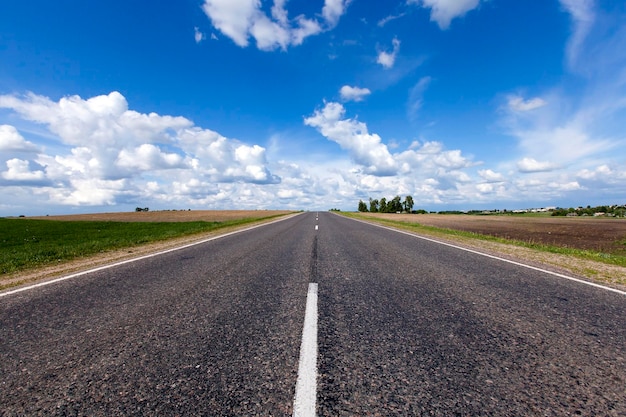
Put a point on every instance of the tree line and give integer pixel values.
(614, 211)
(395, 205)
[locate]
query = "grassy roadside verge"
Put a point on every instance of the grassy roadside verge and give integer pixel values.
(28, 244)
(596, 266)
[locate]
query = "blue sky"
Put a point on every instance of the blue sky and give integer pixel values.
(303, 104)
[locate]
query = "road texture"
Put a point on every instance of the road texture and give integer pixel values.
(405, 327)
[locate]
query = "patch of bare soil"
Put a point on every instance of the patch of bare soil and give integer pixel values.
(589, 233)
(605, 235)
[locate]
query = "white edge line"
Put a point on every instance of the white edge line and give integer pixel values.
(556, 274)
(100, 268)
(306, 386)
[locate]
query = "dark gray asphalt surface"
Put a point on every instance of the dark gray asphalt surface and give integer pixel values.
(406, 327)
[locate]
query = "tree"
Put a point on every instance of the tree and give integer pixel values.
(382, 206)
(408, 203)
(395, 205)
(362, 206)
(373, 205)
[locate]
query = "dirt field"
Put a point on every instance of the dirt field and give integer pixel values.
(593, 233)
(169, 216)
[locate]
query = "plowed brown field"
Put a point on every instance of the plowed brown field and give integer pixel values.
(591, 233)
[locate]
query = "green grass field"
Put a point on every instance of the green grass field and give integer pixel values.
(30, 243)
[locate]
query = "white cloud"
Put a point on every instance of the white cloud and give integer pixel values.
(416, 95)
(490, 176)
(366, 149)
(518, 104)
(19, 170)
(382, 22)
(148, 157)
(333, 10)
(349, 93)
(103, 120)
(433, 158)
(532, 165)
(232, 17)
(388, 59)
(562, 144)
(242, 19)
(197, 35)
(419, 163)
(443, 11)
(566, 130)
(101, 143)
(604, 178)
(89, 192)
(583, 16)
(12, 141)
(225, 159)
(603, 171)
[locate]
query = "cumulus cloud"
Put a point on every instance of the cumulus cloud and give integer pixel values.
(431, 157)
(490, 176)
(373, 156)
(148, 157)
(366, 149)
(333, 10)
(388, 59)
(602, 171)
(444, 11)
(225, 159)
(19, 170)
(12, 141)
(604, 179)
(105, 150)
(532, 165)
(349, 93)
(104, 120)
(89, 192)
(242, 19)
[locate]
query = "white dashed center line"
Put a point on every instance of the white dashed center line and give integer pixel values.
(306, 386)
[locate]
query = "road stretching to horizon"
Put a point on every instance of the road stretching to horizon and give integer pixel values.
(403, 326)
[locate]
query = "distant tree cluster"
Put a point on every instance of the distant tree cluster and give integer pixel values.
(395, 205)
(613, 211)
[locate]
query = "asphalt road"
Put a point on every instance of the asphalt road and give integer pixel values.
(405, 327)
